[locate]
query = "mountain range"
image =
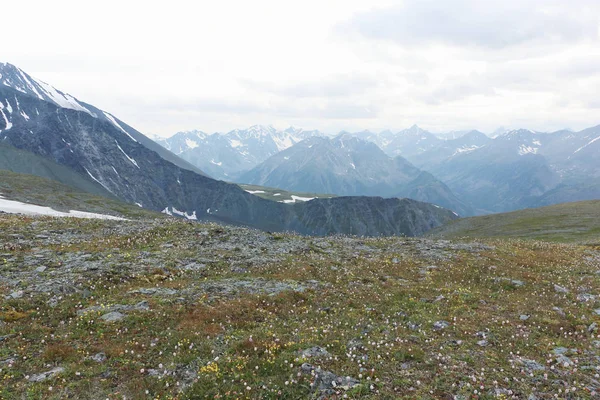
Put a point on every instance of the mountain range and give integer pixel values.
(348, 166)
(104, 153)
(226, 156)
(473, 173)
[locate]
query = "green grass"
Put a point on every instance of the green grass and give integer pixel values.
(568, 222)
(280, 195)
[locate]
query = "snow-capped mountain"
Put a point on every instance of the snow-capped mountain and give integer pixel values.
(17, 79)
(226, 156)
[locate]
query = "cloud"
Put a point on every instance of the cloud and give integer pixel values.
(485, 24)
(339, 85)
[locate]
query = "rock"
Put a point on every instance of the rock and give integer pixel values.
(428, 269)
(15, 295)
(593, 327)
(597, 311)
(585, 297)
(315, 352)
(99, 358)
(41, 269)
(6, 337)
(326, 382)
(559, 311)
(113, 316)
(46, 375)
(530, 365)
(524, 317)
(483, 343)
(560, 289)
(438, 325)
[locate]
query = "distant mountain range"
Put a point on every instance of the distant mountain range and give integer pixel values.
(49, 133)
(473, 173)
(226, 156)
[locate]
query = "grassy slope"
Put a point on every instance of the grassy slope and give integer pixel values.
(375, 319)
(45, 192)
(568, 222)
(269, 193)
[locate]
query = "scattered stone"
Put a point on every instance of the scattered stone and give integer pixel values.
(46, 375)
(315, 352)
(113, 316)
(524, 317)
(585, 297)
(438, 325)
(15, 295)
(560, 289)
(483, 343)
(326, 382)
(99, 358)
(155, 291)
(559, 311)
(530, 365)
(593, 327)
(6, 337)
(41, 269)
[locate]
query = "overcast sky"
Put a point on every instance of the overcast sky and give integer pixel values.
(327, 64)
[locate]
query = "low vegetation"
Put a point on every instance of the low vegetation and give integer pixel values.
(168, 309)
(567, 222)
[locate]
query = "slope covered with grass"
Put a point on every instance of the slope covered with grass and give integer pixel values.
(567, 222)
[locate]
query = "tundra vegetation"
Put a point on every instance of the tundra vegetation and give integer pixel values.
(170, 309)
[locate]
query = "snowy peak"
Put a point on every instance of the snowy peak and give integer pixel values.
(183, 141)
(18, 79)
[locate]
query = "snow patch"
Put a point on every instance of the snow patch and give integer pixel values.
(523, 149)
(192, 144)
(115, 123)
(255, 191)
(129, 158)
(216, 163)
(183, 214)
(17, 207)
(586, 145)
(297, 198)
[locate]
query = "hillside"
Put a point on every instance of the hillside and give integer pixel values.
(173, 309)
(32, 189)
(568, 222)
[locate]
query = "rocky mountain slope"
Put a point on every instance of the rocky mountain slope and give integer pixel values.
(350, 166)
(172, 309)
(103, 151)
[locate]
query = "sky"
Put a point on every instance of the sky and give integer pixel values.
(332, 65)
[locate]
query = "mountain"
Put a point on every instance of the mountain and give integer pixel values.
(503, 175)
(19, 80)
(349, 166)
(411, 143)
(446, 149)
(102, 149)
(226, 156)
(519, 168)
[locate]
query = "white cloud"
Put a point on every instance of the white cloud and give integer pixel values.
(338, 64)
